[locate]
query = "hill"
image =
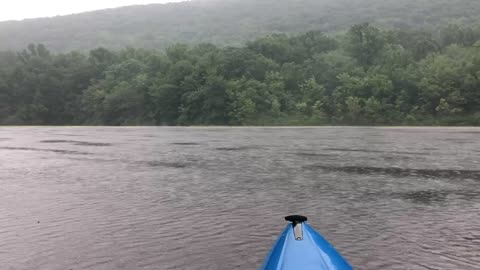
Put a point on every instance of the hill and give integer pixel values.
(227, 22)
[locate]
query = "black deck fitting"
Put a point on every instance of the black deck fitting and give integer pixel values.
(296, 219)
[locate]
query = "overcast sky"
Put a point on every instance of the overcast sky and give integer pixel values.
(22, 9)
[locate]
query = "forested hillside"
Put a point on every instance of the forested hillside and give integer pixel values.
(365, 76)
(228, 22)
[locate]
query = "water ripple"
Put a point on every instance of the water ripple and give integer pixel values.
(387, 199)
(58, 151)
(400, 172)
(81, 143)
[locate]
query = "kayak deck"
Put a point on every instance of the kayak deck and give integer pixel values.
(300, 247)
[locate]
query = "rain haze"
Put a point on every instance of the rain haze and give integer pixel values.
(27, 9)
(240, 134)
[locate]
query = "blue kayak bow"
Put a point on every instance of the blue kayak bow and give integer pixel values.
(300, 247)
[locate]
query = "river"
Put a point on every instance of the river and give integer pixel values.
(215, 198)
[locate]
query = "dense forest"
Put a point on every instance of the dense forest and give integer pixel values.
(364, 76)
(228, 22)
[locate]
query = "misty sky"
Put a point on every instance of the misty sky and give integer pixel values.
(22, 9)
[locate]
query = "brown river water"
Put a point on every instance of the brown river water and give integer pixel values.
(214, 198)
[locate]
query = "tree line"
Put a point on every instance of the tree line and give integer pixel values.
(365, 76)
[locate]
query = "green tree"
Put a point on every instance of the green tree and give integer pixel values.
(365, 43)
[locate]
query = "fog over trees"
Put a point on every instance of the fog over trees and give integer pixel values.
(229, 22)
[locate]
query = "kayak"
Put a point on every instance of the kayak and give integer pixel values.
(300, 247)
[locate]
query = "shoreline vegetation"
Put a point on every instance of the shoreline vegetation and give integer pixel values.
(364, 77)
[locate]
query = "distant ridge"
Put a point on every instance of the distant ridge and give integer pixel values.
(226, 22)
